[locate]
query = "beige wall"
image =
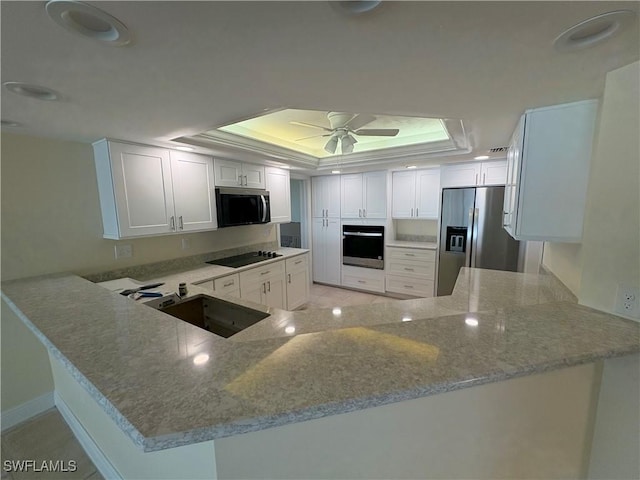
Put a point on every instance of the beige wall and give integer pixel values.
(50, 223)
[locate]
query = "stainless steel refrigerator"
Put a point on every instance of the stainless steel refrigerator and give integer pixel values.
(471, 234)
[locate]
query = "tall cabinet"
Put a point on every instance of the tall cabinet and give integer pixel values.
(326, 235)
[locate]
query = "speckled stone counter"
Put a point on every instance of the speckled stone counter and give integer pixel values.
(138, 363)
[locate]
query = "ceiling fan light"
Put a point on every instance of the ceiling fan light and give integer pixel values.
(331, 145)
(347, 142)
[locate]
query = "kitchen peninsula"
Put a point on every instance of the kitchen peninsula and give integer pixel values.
(126, 370)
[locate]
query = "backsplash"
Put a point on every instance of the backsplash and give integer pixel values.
(150, 270)
(404, 237)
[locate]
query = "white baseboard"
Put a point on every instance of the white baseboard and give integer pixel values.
(90, 447)
(33, 407)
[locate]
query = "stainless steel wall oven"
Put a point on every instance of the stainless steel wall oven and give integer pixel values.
(363, 246)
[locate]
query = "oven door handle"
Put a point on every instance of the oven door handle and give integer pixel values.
(362, 234)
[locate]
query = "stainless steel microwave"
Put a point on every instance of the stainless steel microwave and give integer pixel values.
(242, 206)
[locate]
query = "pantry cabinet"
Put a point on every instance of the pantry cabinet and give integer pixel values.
(231, 173)
(325, 196)
(416, 194)
(278, 185)
(549, 158)
(476, 174)
(364, 195)
(326, 250)
(153, 191)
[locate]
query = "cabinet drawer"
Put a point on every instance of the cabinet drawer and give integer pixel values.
(422, 268)
(299, 262)
(409, 286)
(260, 274)
(411, 254)
(363, 278)
(226, 285)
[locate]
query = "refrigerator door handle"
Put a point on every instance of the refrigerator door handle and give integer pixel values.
(474, 247)
(467, 262)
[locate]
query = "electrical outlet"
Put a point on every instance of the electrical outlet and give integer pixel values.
(124, 250)
(628, 301)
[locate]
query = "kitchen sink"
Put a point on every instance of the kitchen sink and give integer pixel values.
(215, 315)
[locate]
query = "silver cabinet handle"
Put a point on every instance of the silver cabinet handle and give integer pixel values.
(172, 223)
(264, 273)
(483, 178)
(360, 212)
(361, 281)
(264, 288)
(289, 275)
(364, 212)
(409, 255)
(408, 269)
(245, 181)
(408, 286)
(412, 212)
(228, 284)
(269, 283)
(476, 178)
(299, 261)
(240, 180)
(416, 212)
(181, 222)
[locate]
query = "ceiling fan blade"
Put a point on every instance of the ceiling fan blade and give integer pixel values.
(303, 124)
(313, 136)
(377, 132)
(360, 120)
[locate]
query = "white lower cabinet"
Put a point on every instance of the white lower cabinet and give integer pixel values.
(297, 271)
(410, 271)
(264, 285)
(326, 250)
(369, 279)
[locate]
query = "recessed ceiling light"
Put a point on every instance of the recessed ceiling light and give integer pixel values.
(481, 157)
(593, 30)
(185, 149)
(10, 123)
(335, 171)
(33, 91)
(89, 21)
(410, 166)
(356, 7)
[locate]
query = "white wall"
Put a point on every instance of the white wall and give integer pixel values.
(50, 223)
(564, 261)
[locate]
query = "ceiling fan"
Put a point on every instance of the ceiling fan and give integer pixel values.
(343, 128)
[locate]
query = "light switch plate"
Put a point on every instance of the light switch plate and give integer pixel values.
(124, 250)
(628, 301)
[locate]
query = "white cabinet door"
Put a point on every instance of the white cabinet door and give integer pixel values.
(351, 196)
(254, 176)
(275, 295)
(142, 188)
(325, 196)
(228, 173)
(326, 251)
(493, 173)
(277, 181)
(253, 292)
(460, 175)
(297, 270)
(193, 191)
(374, 201)
(428, 193)
(511, 184)
(403, 194)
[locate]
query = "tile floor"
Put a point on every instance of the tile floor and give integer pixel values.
(46, 437)
(324, 296)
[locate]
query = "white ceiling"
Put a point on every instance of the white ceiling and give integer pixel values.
(193, 66)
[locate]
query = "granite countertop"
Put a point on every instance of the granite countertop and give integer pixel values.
(412, 244)
(495, 326)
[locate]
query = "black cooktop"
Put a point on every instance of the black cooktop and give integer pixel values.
(245, 259)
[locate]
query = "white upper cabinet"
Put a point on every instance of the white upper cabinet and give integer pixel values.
(138, 184)
(364, 195)
(416, 194)
(279, 187)
(476, 174)
(549, 160)
(325, 196)
(230, 173)
(193, 192)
